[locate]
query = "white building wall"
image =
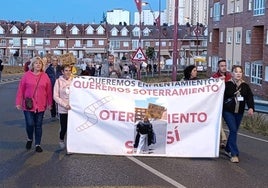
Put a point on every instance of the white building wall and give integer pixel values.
(148, 17)
(116, 16)
(191, 11)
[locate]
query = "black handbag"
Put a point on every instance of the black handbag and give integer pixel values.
(28, 103)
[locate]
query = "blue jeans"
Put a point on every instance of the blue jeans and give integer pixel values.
(34, 122)
(233, 121)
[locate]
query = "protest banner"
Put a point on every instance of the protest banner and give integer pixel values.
(186, 116)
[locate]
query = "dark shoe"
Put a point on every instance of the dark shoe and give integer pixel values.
(29, 144)
(38, 149)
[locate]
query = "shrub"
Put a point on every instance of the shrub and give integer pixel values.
(258, 123)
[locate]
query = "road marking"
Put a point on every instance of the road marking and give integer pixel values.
(252, 137)
(157, 173)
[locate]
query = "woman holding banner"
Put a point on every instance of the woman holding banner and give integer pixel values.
(61, 96)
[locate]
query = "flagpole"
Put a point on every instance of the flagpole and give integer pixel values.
(175, 39)
(159, 37)
(139, 64)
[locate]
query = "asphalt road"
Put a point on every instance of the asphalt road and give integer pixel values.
(54, 168)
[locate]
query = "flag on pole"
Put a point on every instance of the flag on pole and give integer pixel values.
(157, 20)
(138, 4)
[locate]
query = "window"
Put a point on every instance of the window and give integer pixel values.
(2, 42)
(229, 64)
(266, 36)
(238, 37)
(125, 44)
(114, 33)
(2, 31)
(222, 10)
(61, 43)
(124, 32)
(248, 36)
(266, 73)
(210, 37)
(135, 44)
(147, 44)
(229, 37)
(77, 43)
(136, 33)
(100, 31)
(221, 37)
(258, 7)
(101, 42)
(89, 43)
(47, 42)
(211, 13)
(90, 31)
(247, 69)
(249, 4)
(256, 73)
(39, 41)
(145, 33)
(115, 44)
(217, 11)
(58, 31)
(214, 63)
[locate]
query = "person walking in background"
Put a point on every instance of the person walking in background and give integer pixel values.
(26, 65)
(223, 74)
(61, 96)
(35, 85)
(1, 69)
(53, 71)
(190, 73)
(143, 128)
(236, 95)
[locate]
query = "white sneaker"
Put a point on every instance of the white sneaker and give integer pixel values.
(62, 144)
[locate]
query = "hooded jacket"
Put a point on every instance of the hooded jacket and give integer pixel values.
(42, 97)
(61, 93)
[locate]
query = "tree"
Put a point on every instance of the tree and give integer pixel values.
(150, 53)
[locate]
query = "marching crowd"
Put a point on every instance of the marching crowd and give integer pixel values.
(46, 83)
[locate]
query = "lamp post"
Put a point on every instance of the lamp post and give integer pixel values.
(21, 41)
(175, 46)
(158, 22)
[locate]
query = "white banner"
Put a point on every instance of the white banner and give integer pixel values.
(186, 116)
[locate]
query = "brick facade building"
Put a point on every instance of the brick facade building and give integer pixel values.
(238, 32)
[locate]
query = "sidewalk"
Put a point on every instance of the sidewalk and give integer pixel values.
(11, 77)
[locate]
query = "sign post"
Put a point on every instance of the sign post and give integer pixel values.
(138, 58)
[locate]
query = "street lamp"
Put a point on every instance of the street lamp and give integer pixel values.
(21, 41)
(158, 23)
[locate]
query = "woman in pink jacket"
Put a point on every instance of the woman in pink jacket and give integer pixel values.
(36, 85)
(61, 97)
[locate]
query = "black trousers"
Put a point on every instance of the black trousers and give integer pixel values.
(53, 110)
(63, 125)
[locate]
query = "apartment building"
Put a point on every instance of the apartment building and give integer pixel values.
(238, 32)
(34, 38)
(189, 11)
(114, 17)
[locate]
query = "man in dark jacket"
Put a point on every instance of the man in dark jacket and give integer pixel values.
(53, 71)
